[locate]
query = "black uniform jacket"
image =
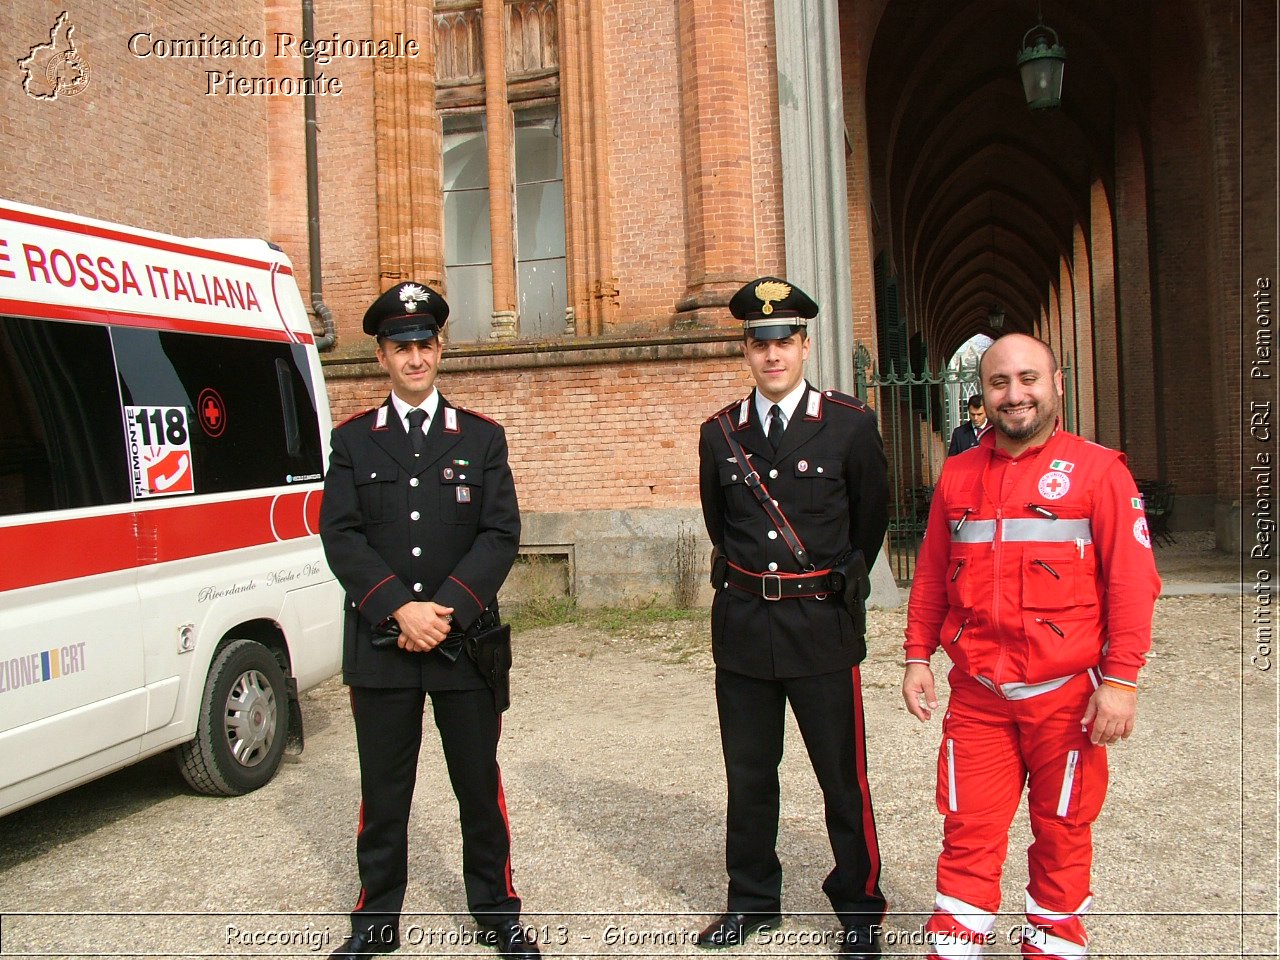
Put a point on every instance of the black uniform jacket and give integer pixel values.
(444, 527)
(829, 479)
(963, 438)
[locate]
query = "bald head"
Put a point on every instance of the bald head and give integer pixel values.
(1022, 387)
(1017, 342)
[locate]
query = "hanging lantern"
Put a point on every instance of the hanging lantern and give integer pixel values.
(1040, 63)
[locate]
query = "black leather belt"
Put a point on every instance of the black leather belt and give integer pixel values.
(781, 586)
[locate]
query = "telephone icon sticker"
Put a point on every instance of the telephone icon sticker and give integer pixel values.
(159, 451)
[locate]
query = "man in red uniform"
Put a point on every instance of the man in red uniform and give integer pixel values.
(1037, 578)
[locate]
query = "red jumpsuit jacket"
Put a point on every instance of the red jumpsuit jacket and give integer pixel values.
(1035, 568)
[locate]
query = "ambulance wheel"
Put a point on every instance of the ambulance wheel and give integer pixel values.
(244, 722)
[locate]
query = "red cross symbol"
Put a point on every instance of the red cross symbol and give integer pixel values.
(1053, 485)
(213, 412)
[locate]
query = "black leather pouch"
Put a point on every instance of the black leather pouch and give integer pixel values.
(719, 567)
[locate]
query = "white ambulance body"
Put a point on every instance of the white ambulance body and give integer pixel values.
(163, 435)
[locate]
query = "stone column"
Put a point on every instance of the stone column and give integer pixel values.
(811, 118)
(410, 213)
(716, 123)
(498, 132)
(815, 204)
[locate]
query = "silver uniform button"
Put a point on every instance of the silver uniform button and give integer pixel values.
(819, 469)
(413, 481)
(734, 478)
(417, 551)
(415, 515)
(773, 534)
(773, 567)
(373, 476)
(773, 474)
(417, 588)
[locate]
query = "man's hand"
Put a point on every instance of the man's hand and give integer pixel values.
(423, 625)
(1111, 711)
(918, 692)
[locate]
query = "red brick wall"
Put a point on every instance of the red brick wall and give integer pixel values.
(1182, 231)
(142, 144)
(614, 436)
(645, 160)
(348, 186)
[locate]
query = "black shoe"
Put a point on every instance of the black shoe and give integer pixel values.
(366, 943)
(859, 942)
(732, 929)
(510, 938)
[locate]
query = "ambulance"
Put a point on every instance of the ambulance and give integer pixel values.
(163, 439)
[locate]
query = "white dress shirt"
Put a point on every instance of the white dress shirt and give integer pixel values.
(788, 405)
(430, 405)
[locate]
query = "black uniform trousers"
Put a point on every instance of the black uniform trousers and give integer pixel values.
(828, 710)
(389, 734)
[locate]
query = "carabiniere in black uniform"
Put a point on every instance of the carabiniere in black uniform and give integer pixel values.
(780, 631)
(438, 524)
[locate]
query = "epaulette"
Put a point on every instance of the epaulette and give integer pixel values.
(357, 416)
(723, 410)
(845, 400)
(478, 416)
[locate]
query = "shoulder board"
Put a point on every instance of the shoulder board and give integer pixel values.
(835, 396)
(478, 416)
(357, 416)
(727, 408)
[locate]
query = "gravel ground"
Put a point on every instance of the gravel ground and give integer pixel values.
(615, 787)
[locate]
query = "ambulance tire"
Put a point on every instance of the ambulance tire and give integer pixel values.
(243, 725)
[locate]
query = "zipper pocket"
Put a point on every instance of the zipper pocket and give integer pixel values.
(956, 638)
(959, 564)
(1048, 623)
(1041, 563)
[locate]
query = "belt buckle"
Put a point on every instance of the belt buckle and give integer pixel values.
(764, 586)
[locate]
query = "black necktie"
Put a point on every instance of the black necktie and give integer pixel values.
(775, 426)
(416, 419)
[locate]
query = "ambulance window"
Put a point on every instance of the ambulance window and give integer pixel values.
(61, 437)
(243, 411)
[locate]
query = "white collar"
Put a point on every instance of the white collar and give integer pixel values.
(430, 405)
(787, 403)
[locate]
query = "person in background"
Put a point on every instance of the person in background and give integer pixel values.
(970, 432)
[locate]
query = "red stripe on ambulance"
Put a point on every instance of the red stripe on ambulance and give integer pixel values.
(124, 541)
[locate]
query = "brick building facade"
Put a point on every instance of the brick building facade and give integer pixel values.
(590, 180)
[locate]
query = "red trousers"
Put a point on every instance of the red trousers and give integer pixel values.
(991, 748)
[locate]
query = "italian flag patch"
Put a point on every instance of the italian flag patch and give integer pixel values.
(1066, 466)
(1137, 503)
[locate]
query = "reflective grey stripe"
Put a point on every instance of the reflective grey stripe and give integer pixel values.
(1046, 531)
(1031, 530)
(1023, 691)
(951, 776)
(974, 531)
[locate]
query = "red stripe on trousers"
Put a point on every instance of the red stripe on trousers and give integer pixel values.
(868, 817)
(359, 816)
(502, 806)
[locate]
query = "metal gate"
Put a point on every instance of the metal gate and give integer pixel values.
(917, 412)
